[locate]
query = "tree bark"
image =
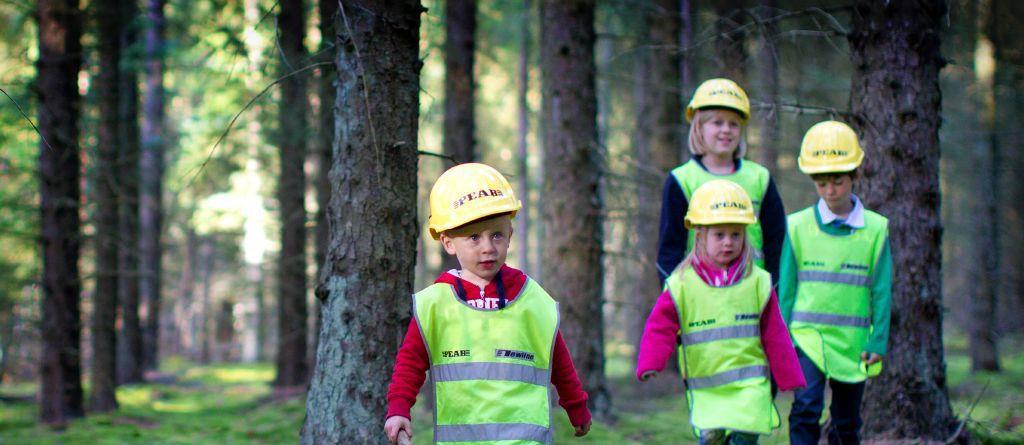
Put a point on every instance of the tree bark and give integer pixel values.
(374, 224)
(60, 59)
(206, 266)
(328, 11)
(106, 186)
(292, 368)
(730, 43)
(984, 353)
(151, 172)
(129, 341)
(572, 205)
(895, 100)
(687, 65)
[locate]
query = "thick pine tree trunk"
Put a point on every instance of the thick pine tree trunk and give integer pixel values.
(687, 65)
(896, 100)
(572, 205)
(522, 229)
(459, 90)
(151, 171)
(129, 341)
(60, 59)
(328, 12)
(984, 355)
(292, 367)
(372, 217)
(106, 186)
(730, 43)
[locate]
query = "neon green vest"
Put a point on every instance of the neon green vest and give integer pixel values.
(751, 176)
(721, 354)
(491, 369)
(831, 319)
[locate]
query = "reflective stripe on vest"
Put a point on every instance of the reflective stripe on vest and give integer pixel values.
(721, 355)
(751, 176)
(831, 320)
(486, 432)
(491, 369)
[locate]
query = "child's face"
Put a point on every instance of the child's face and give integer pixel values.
(481, 247)
(721, 133)
(725, 243)
(834, 189)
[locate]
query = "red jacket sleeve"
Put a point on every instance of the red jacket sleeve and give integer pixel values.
(659, 338)
(778, 347)
(571, 396)
(410, 371)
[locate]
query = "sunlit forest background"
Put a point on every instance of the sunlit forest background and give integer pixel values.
(211, 333)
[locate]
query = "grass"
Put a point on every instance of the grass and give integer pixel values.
(230, 404)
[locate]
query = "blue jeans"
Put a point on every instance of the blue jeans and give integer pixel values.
(718, 437)
(808, 403)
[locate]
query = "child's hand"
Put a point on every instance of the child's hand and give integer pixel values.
(870, 358)
(394, 424)
(647, 375)
(582, 430)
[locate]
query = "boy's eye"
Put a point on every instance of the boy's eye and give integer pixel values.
(498, 235)
(474, 237)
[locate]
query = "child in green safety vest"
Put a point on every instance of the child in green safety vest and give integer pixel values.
(718, 115)
(486, 332)
(719, 308)
(834, 288)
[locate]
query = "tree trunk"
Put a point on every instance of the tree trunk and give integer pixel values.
(328, 11)
(60, 59)
(895, 54)
(106, 186)
(572, 205)
(687, 64)
(129, 341)
(292, 368)
(769, 71)
(186, 297)
(151, 172)
(206, 266)
(984, 353)
(522, 141)
(730, 44)
(459, 90)
(658, 152)
(373, 207)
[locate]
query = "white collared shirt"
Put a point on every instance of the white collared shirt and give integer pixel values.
(854, 220)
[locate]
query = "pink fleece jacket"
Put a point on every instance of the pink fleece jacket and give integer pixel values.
(659, 339)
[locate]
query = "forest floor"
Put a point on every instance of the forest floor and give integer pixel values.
(233, 404)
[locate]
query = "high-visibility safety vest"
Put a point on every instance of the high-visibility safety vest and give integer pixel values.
(721, 356)
(491, 369)
(831, 320)
(751, 176)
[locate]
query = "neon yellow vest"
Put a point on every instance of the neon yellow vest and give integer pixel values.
(751, 176)
(831, 319)
(491, 369)
(721, 355)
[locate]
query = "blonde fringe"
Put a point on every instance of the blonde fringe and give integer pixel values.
(696, 138)
(700, 252)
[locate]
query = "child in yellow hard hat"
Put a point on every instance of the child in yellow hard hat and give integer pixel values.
(486, 332)
(835, 287)
(718, 115)
(721, 310)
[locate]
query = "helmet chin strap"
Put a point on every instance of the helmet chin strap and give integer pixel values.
(460, 290)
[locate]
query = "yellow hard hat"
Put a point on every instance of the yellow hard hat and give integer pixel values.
(719, 93)
(719, 202)
(466, 193)
(830, 147)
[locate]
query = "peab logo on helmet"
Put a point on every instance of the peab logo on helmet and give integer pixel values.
(726, 92)
(728, 205)
(829, 152)
(474, 195)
